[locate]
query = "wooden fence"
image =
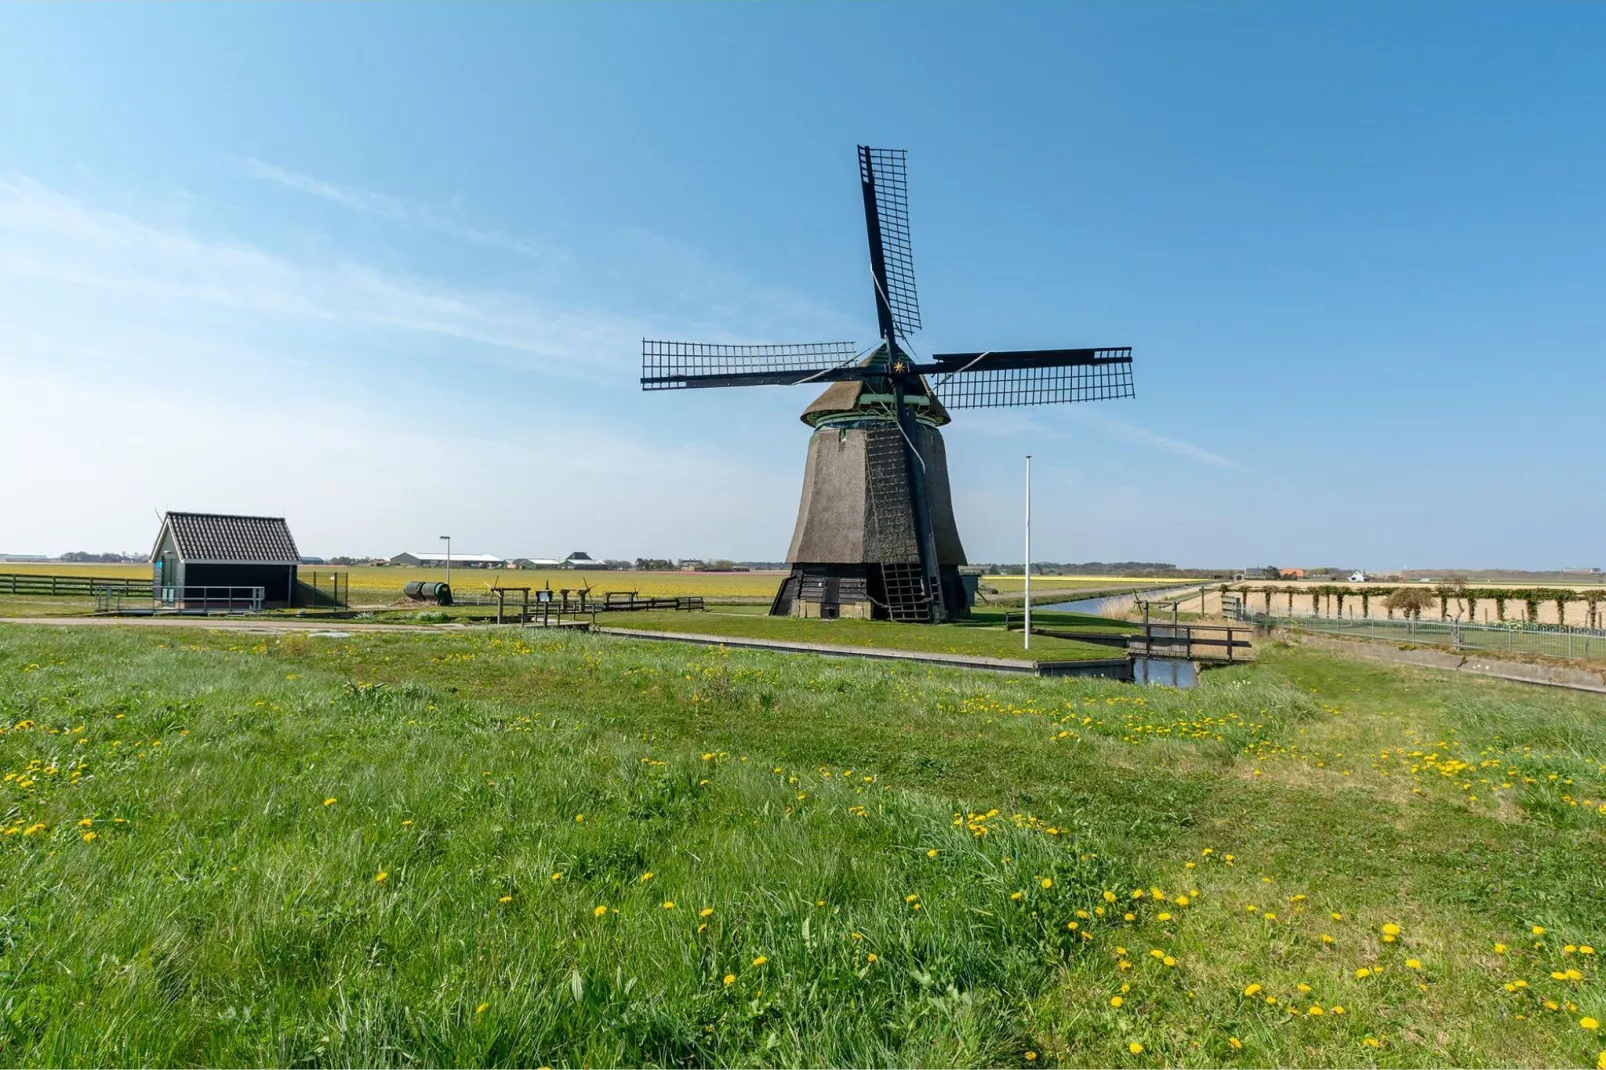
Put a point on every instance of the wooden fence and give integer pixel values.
(72, 586)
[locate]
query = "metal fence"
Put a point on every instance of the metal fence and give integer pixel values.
(1514, 637)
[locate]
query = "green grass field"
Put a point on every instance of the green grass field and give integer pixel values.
(497, 848)
(985, 636)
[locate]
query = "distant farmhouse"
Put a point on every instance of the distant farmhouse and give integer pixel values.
(437, 559)
(434, 559)
(1291, 573)
(201, 558)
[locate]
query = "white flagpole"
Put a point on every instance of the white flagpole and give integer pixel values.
(1028, 551)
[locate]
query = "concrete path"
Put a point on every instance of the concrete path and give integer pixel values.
(1112, 668)
(1478, 664)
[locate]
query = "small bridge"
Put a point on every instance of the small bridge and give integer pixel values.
(1224, 643)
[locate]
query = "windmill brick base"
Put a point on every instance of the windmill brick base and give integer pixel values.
(855, 551)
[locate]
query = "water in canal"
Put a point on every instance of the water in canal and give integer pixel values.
(1167, 672)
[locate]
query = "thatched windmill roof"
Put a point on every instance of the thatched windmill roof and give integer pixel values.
(846, 397)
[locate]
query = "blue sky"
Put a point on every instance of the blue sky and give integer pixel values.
(385, 269)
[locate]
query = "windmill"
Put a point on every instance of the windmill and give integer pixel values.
(875, 534)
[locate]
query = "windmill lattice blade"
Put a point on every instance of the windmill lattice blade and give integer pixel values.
(679, 365)
(891, 173)
(1030, 377)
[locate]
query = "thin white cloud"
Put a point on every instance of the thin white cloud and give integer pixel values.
(46, 237)
(1144, 437)
(400, 209)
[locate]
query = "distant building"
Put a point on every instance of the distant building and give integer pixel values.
(437, 559)
(201, 558)
(24, 557)
(1357, 577)
(1291, 573)
(582, 560)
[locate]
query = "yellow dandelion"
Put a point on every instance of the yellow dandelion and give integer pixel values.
(1116, 1001)
(1048, 882)
(1162, 916)
(1363, 972)
(599, 911)
(1589, 1023)
(1326, 939)
(703, 913)
(1135, 1048)
(381, 876)
(1338, 1010)
(330, 801)
(668, 904)
(86, 822)
(931, 853)
(1500, 949)
(91, 836)
(1250, 990)
(1182, 900)
(647, 876)
(505, 899)
(870, 958)
(1371, 1042)
(1109, 897)
(913, 898)
(481, 1008)
(1315, 1010)
(730, 979)
(1413, 964)
(557, 876)
(1031, 1056)
(579, 817)
(1235, 1042)
(1538, 930)
(1391, 929)
(760, 960)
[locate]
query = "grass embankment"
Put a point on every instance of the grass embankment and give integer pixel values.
(986, 638)
(491, 847)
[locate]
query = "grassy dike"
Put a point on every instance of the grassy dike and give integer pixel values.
(559, 850)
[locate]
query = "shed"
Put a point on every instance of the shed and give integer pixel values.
(207, 557)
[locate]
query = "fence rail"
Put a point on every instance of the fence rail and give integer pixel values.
(1550, 640)
(70, 586)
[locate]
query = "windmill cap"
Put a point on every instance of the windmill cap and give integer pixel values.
(872, 395)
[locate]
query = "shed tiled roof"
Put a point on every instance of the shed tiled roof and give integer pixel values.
(218, 537)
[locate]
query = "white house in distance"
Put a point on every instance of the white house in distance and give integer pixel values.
(437, 559)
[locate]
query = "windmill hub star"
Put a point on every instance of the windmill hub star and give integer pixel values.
(875, 534)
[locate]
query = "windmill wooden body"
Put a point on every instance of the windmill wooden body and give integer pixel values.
(875, 534)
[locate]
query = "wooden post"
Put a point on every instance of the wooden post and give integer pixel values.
(499, 595)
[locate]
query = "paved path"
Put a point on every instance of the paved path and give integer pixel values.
(1116, 668)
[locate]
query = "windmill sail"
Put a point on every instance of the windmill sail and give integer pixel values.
(885, 176)
(1029, 377)
(679, 365)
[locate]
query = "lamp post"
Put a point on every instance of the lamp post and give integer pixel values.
(448, 540)
(1028, 551)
